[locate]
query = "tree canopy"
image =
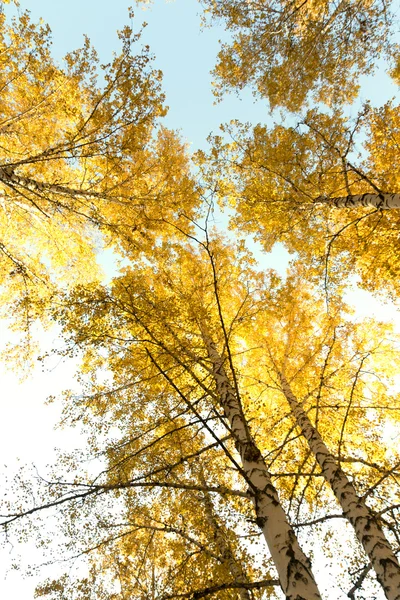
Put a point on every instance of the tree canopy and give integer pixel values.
(286, 50)
(83, 157)
(236, 419)
(318, 190)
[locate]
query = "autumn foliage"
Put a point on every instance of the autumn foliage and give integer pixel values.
(236, 417)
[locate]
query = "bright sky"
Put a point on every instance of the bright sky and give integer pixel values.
(183, 52)
(186, 56)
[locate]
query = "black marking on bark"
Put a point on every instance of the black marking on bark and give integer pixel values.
(261, 521)
(251, 453)
(270, 491)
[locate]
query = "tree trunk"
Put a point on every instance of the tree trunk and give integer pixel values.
(11, 179)
(294, 568)
(383, 201)
(368, 531)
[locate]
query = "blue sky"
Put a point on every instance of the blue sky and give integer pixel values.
(183, 52)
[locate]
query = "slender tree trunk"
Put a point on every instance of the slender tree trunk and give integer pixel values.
(11, 179)
(294, 568)
(222, 543)
(383, 201)
(368, 531)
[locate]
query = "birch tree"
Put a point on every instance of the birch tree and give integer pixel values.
(317, 190)
(83, 156)
(185, 356)
(368, 531)
(293, 567)
(163, 333)
(179, 365)
(318, 379)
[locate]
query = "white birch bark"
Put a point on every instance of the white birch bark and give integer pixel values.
(368, 531)
(383, 201)
(9, 178)
(294, 568)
